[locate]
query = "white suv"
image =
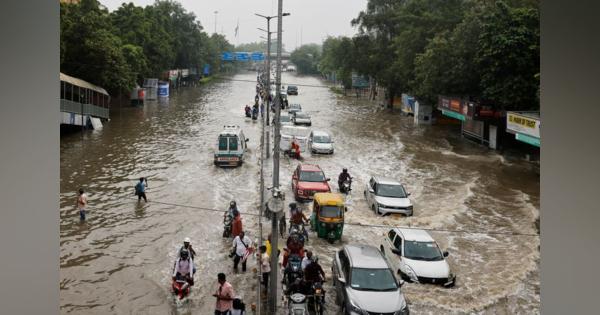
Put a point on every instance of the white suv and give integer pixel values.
(387, 195)
(417, 257)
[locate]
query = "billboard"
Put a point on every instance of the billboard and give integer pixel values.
(523, 123)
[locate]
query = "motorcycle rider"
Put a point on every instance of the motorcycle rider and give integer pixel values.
(314, 273)
(232, 207)
(248, 110)
(188, 246)
(298, 286)
(297, 216)
(344, 175)
(184, 269)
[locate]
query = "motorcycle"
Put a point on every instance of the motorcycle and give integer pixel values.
(181, 288)
(346, 186)
(318, 298)
(300, 228)
(248, 112)
(227, 223)
(297, 304)
(293, 270)
(255, 113)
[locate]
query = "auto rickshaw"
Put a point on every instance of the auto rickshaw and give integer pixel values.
(327, 217)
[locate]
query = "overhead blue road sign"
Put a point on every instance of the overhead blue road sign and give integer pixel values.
(242, 56)
(227, 56)
(258, 56)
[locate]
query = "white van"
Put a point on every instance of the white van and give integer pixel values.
(288, 133)
(231, 146)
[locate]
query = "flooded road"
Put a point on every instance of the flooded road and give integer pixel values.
(119, 261)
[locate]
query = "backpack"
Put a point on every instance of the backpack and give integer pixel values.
(238, 304)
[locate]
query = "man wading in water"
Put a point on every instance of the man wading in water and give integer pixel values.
(140, 189)
(81, 204)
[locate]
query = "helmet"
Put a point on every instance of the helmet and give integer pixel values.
(184, 253)
(232, 204)
(293, 205)
(186, 240)
(293, 231)
(345, 170)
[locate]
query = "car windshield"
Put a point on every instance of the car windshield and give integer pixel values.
(284, 118)
(301, 115)
(312, 176)
(428, 251)
(321, 139)
(393, 191)
(372, 280)
(331, 212)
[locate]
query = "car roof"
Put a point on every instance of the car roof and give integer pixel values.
(414, 235)
(320, 133)
(292, 86)
(365, 256)
(386, 180)
(310, 167)
(231, 130)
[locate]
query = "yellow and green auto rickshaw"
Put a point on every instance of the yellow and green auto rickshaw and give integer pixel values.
(327, 217)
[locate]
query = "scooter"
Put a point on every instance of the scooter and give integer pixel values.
(297, 304)
(255, 113)
(248, 112)
(181, 288)
(300, 228)
(227, 224)
(293, 269)
(346, 186)
(318, 298)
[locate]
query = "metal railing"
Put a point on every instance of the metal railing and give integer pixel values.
(68, 106)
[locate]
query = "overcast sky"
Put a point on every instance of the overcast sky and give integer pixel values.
(310, 21)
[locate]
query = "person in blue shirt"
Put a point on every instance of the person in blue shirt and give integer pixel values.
(140, 189)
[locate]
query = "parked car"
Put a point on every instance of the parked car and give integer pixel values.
(386, 195)
(307, 180)
(301, 118)
(231, 146)
(417, 257)
(294, 108)
(285, 120)
(320, 142)
(292, 90)
(365, 283)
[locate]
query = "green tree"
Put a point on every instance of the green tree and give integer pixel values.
(306, 58)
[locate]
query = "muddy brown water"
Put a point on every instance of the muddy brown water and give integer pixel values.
(119, 261)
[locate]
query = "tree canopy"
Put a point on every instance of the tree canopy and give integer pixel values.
(117, 49)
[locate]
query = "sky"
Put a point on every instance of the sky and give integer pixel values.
(311, 21)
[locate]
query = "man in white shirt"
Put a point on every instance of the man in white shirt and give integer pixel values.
(307, 259)
(184, 268)
(242, 247)
(265, 263)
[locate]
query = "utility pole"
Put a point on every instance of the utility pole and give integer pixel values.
(216, 21)
(268, 85)
(274, 221)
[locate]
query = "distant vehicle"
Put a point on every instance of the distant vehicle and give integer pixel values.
(365, 284)
(307, 180)
(417, 257)
(387, 195)
(285, 120)
(320, 142)
(301, 118)
(231, 146)
(289, 133)
(292, 90)
(294, 108)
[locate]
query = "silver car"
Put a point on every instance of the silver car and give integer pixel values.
(301, 118)
(320, 142)
(386, 195)
(365, 284)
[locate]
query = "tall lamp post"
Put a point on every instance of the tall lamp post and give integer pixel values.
(277, 195)
(216, 12)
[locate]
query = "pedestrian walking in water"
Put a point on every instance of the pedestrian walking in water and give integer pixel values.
(82, 204)
(242, 247)
(224, 295)
(262, 109)
(265, 265)
(140, 189)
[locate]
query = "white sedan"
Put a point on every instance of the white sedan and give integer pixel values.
(417, 257)
(386, 196)
(320, 142)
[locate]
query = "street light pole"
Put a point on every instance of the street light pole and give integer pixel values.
(216, 21)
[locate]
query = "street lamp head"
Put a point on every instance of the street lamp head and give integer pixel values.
(285, 14)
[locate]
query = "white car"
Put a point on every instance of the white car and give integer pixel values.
(320, 142)
(294, 108)
(386, 195)
(417, 257)
(285, 120)
(301, 118)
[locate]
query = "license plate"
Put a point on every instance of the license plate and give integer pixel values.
(397, 215)
(227, 159)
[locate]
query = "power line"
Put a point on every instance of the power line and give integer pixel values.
(372, 225)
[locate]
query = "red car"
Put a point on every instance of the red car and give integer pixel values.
(307, 180)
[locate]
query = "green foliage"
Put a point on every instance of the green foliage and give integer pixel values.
(116, 49)
(306, 58)
(252, 47)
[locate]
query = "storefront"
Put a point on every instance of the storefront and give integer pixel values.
(525, 126)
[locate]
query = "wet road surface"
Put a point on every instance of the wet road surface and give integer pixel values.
(119, 261)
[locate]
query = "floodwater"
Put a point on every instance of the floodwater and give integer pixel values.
(119, 261)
